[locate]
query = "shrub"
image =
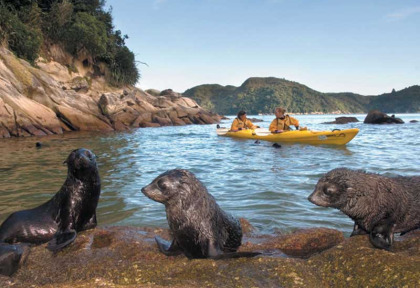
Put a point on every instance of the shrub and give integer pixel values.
(123, 69)
(23, 40)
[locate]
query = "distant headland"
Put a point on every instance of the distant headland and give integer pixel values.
(262, 94)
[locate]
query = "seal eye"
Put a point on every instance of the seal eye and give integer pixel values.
(330, 190)
(162, 185)
(89, 154)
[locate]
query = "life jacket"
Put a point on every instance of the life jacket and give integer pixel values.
(286, 123)
(245, 126)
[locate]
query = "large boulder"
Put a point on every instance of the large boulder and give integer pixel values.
(153, 92)
(7, 120)
(25, 116)
(169, 92)
(142, 118)
(378, 117)
(162, 121)
(187, 102)
(79, 84)
(79, 121)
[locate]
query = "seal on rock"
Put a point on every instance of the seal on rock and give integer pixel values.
(72, 209)
(200, 228)
(379, 205)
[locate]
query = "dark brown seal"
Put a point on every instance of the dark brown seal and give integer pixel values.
(72, 209)
(200, 228)
(379, 205)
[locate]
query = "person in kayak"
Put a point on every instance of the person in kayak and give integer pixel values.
(282, 122)
(241, 122)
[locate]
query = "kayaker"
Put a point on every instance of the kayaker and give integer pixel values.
(241, 122)
(282, 122)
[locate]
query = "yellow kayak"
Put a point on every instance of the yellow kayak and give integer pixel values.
(336, 137)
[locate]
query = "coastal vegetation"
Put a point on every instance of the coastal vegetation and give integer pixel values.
(262, 95)
(82, 27)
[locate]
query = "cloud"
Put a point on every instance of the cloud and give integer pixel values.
(403, 13)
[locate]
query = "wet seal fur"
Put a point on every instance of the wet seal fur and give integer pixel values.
(72, 209)
(380, 206)
(11, 257)
(200, 228)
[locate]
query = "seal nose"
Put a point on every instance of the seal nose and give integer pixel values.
(311, 198)
(143, 190)
(86, 154)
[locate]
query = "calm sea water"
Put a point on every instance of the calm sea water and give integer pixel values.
(267, 186)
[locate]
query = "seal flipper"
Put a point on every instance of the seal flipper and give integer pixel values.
(91, 223)
(11, 257)
(357, 230)
(382, 236)
(167, 248)
(232, 255)
(217, 254)
(61, 239)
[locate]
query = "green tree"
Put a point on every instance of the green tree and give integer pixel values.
(20, 38)
(59, 17)
(86, 33)
(88, 6)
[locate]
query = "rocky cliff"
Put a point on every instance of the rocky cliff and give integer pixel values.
(70, 95)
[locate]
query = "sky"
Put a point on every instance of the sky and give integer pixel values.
(360, 46)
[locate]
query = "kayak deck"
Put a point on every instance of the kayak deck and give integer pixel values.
(336, 137)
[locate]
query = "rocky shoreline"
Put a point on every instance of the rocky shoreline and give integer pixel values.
(52, 99)
(128, 256)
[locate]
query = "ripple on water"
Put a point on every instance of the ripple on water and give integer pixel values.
(267, 186)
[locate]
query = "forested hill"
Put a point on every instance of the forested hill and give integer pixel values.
(262, 95)
(406, 100)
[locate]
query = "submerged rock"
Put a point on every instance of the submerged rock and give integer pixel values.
(112, 256)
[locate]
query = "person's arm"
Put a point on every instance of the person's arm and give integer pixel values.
(250, 124)
(295, 122)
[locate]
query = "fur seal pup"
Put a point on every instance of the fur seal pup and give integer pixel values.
(380, 206)
(72, 209)
(200, 228)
